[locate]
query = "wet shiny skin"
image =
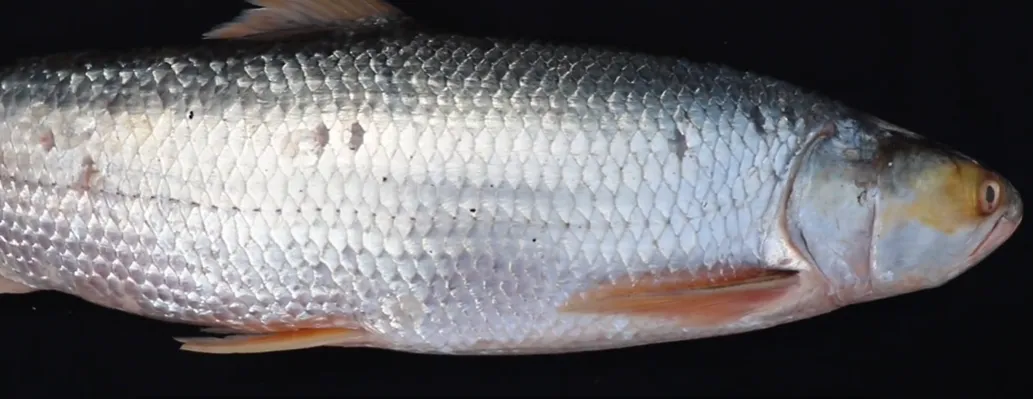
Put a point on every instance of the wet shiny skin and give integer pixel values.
(440, 194)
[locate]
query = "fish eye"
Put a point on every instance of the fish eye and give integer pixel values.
(989, 196)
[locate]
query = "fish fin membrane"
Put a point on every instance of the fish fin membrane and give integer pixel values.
(276, 19)
(705, 297)
(275, 342)
(11, 287)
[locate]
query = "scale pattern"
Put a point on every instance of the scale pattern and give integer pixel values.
(446, 193)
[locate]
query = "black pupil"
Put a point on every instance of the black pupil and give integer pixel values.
(991, 194)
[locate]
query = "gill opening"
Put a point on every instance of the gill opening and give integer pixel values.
(869, 264)
(795, 235)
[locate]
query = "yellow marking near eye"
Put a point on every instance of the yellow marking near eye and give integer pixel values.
(946, 197)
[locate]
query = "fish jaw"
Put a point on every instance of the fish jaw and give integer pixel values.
(999, 234)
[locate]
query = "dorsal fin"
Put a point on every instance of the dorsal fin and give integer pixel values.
(281, 18)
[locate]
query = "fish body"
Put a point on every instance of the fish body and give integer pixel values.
(435, 193)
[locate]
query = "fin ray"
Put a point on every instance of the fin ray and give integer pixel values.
(274, 342)
(717, 295)
(280, 18)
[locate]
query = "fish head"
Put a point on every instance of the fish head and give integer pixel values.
(880, 211)
(938, 213)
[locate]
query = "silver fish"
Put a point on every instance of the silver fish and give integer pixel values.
(325, 173)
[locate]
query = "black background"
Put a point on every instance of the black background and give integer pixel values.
(956, 72)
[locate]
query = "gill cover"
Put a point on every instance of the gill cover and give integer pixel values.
(831, 207)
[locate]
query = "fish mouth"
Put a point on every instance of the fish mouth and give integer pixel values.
(1000, 233)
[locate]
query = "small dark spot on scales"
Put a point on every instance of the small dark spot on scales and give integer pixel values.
(789, 115)
(357, 136)
(678, 144)
(758, 119)
(88, 174)
(46, 140)
(322, 136)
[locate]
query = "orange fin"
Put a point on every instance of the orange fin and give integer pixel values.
(715, 296)
(274, 342)
(279, 18)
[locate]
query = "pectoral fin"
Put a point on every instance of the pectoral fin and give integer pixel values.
(279, 18)
(701, 298)
(275, 342)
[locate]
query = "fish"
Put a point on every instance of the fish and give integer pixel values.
(331, 174)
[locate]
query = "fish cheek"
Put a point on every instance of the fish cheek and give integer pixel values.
(925, 226)
(943, 198)
(910, 256)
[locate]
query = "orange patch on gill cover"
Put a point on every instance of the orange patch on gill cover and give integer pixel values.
(946, 197)
(714, 296)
